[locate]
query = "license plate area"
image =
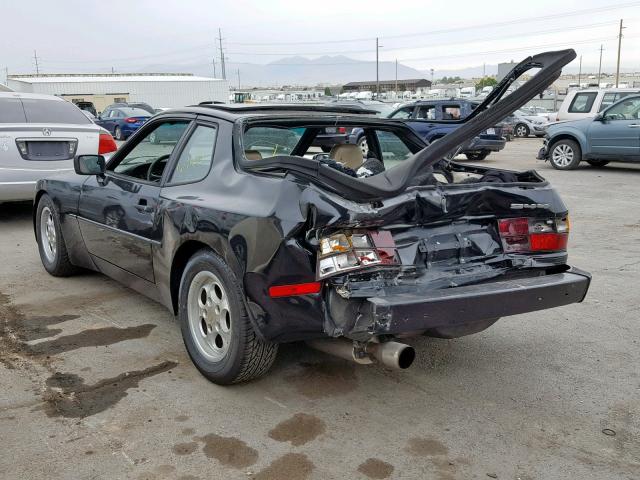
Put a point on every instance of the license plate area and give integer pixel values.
(47, 150)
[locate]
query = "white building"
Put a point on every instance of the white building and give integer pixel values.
(159, 90)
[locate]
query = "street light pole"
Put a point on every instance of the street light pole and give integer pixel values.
(377, 72)
(396, 88)
(619, 47)
(580, 71)
(600, 66)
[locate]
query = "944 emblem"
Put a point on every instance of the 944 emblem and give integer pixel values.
(528, 206)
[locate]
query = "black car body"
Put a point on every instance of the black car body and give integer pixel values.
(433, 119)
(304, 249)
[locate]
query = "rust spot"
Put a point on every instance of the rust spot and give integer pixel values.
(185, 448)
(68, 395)
(425, 447)
(327, 379)
(375, 468)
(299, 429)
(292, 466)
(228, 451)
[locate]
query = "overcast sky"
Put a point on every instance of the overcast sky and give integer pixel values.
(90, 36)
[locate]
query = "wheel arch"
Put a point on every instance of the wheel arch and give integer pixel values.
(178, 263)
(36, 199)
(579, 139)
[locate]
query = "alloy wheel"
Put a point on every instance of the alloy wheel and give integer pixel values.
(48, 234)
(209, 316)
(521, 131)
(562, 155)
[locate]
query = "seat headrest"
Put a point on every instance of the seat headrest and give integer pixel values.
(347, 154)
(252, 155)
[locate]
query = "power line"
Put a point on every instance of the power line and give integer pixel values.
(461, 42)
(457, 29)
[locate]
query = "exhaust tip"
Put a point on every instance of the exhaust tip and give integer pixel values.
(406, 357)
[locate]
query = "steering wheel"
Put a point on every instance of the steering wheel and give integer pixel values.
(152, 176)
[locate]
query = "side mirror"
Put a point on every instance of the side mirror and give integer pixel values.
(601, 117)
(89, 164)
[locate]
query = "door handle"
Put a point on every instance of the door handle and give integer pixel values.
(634, 125)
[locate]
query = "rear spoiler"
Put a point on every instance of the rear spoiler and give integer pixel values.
(491, 111)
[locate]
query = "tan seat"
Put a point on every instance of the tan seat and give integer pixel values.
(348, 154)
(252, 155)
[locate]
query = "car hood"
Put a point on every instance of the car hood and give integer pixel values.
(580, 124)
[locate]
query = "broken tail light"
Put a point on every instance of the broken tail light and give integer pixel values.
(520, 235)
(347, 251)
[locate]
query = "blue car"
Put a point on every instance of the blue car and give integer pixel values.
(611, 136)
(433, 119)
(122, 122)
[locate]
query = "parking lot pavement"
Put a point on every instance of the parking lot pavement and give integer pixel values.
(96, 383)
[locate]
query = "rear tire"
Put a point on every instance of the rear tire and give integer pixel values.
(475, 157)
(118, 134)
(565, 154)
(521, 130)
(598, 163)
(216, 329)
(53, 251)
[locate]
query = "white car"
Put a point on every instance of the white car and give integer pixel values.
(39, 137)
(587, 103)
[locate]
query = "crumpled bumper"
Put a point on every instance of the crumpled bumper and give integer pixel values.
(543, 153)
(426, 309)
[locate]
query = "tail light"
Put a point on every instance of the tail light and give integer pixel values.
(524, 234)
(342, 130)
(131, 120)
(348, 251)
(106, 144)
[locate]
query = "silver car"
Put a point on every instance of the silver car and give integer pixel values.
(528, 124)
(39, 137)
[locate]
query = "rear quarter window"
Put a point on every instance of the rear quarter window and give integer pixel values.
(582, 102)
(52, 111)
(11, 111)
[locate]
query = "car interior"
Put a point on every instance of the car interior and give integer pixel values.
(384, 149)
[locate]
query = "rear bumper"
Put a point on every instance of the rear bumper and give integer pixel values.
(486, 144)
(424, 310)
(330, 140)
(17, 191)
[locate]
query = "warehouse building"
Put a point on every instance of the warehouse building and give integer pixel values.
(413, 85)
(160, 90)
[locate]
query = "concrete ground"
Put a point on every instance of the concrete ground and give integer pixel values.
(96, 383)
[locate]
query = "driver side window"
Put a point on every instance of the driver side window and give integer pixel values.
(624, 110)
(148, 158)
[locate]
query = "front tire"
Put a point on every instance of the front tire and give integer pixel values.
(475, 157)
(53, 251)
(216, 329)
(598, 163)
(521, 130)
(565, 154)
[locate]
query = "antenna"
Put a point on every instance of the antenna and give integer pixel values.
(35, 57)
(224, 73)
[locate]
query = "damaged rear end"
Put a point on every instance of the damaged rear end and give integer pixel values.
(447, 261)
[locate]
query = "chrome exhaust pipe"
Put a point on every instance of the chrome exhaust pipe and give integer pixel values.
(391, 354)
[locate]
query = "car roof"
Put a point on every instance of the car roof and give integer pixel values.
(32, 96)
(233, 112)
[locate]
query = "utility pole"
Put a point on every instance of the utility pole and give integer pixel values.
(580, 71)
(484, 70)
(215, 75)
(224, 73)
(378, 73)
(396, 88)
(238, 72)
(619, 47)
(35, 57)
(6, 75)
(600, 66)
(431, 77)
